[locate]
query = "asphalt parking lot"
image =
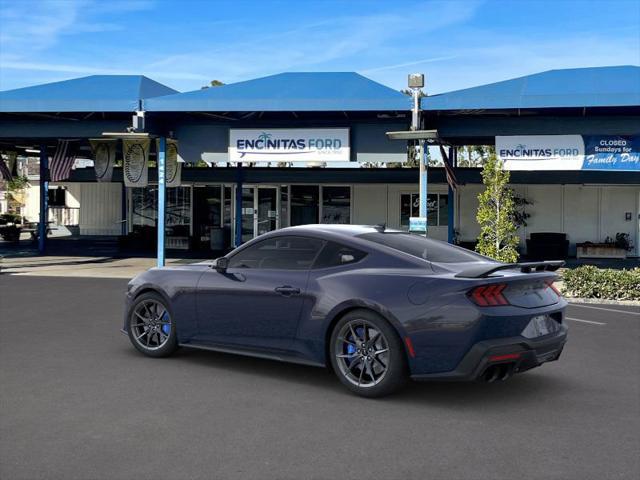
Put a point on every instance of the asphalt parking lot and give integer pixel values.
(78, 402)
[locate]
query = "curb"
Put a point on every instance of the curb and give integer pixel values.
(602, 301)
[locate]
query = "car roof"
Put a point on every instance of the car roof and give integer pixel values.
(344, 230)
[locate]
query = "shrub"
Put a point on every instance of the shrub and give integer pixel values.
(592, 282)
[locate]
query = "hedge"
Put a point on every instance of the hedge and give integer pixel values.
(592, 282)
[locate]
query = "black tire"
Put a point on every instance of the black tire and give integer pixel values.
(151, 344)
(396, 374)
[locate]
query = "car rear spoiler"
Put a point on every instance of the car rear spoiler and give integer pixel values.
(484, 270)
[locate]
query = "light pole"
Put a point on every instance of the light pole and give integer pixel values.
(416, 83)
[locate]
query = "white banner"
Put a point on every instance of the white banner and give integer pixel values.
(289, 145)
(541, 152)
(104, 157)
(173, 165)
(136, 162)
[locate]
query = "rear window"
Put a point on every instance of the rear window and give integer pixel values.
(425, 248)
(335, 254)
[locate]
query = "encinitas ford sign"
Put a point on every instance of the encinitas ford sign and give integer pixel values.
(541, 152)
(289, 145)
(569, 152)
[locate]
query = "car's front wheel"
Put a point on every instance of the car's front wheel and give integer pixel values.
(151, 327)
(367, 354)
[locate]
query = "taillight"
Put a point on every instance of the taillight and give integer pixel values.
(553, 287)
(489, 295)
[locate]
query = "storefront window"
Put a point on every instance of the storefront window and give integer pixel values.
(409, 207)
(207, 214)
(336, 205)
(144, 214)
(179, 207)
(144, 207)
(443, 210)
(284, 206)
(228, 199)
(437, 213)
(304, 204)
(432, 209)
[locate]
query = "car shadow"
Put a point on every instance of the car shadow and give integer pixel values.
(517, 391)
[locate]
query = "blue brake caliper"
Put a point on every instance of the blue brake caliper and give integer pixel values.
(351, 348)
(165, 328)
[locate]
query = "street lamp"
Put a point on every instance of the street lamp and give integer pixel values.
(416, 83)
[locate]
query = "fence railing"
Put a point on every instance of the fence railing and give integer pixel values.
(67, 216)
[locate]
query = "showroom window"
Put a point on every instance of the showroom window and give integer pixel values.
(305, 200)
(57, 197)
(336, 205)
(437, 212)
(144, 214)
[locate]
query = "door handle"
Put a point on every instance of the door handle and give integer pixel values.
(287, 290)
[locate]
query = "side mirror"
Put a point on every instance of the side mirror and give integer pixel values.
(221, 264)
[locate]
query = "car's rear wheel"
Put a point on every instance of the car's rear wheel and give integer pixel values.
(151, 327)
(367, 354)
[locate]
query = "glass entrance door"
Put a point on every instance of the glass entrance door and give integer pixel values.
(267, 209)
(259, 211)
(248, 213)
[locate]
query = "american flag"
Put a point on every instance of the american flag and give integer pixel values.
(448, 169)
(4, 170)
(62, 161)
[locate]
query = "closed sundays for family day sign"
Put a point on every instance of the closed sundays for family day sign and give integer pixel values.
(569, 152)
(289, 145)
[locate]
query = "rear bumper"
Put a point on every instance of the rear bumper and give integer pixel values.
(487, 354)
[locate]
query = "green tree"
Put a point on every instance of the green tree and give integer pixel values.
(496, 211)
(213, 83)
(474, 155)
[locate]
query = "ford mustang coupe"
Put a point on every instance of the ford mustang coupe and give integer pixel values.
(376, 306)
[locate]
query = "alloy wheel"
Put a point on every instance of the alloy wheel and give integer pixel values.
(151, 324)
(362, 353)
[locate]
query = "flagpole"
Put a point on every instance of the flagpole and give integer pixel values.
(44, 199)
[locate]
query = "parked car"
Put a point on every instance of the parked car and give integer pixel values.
(377, 306)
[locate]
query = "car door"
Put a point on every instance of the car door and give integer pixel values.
(256, 303)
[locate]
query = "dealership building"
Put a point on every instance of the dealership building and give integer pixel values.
(301, 148)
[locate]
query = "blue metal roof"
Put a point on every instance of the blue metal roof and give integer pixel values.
(96, 93)
(306, 91)
(577, 87)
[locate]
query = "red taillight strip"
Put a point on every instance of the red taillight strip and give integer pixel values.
(476, 295)
(489, 296)
(508, 356)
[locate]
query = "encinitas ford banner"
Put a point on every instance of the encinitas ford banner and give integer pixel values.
(569, 152)
(541, 152)
(289, 145)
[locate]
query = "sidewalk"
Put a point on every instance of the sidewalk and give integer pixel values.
(99, 267)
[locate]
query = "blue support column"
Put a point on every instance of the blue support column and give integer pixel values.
(44, 199)
(162, 191)
(424, 159)
(238, 209)
(450, 199)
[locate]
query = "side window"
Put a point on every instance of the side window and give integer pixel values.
(334, 254)
(283, 253)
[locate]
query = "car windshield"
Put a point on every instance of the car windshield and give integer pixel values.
(424, 248)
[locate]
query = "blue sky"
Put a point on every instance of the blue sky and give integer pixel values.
(184, 44)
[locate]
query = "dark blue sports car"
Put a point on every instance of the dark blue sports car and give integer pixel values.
(375, 305)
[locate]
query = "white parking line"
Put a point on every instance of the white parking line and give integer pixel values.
(603, 308)
(584, 321)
